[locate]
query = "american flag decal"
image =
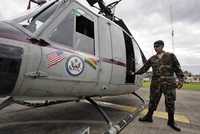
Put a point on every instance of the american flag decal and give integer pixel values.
(54, 58)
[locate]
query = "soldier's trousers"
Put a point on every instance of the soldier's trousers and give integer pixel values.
(170, 97)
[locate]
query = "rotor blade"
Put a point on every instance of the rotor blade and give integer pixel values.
(92, 2)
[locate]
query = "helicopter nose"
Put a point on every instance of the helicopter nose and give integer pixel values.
(10, 61)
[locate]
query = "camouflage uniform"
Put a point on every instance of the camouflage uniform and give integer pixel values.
(163, 80)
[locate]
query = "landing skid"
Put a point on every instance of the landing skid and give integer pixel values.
(101, 111)
(10, 101)
(113, 129)
(116, 129)
(46, 103)
(143, 101)
(6, 103)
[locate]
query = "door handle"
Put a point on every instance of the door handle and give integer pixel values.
(36, 74)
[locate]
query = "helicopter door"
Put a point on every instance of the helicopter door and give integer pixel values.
(130, 59)
(118, 56)
(105, 51)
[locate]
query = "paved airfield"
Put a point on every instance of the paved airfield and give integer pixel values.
(77, 117)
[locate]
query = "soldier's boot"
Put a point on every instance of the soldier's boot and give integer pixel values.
(147, 117)
(171, 123)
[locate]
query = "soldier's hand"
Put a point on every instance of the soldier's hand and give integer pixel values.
(179, 85)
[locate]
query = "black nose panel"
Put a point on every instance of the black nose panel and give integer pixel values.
(10, 61)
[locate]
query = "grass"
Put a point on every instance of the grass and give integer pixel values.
(186, 86)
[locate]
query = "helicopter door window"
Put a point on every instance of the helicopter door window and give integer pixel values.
(84, 36)
(85, 26)
(138, 57)
(63, 33)
(130, 61)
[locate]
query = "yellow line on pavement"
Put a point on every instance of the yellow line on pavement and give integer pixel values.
(178, 117)
(118, 107)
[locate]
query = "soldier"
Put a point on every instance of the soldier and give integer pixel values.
(164, 65)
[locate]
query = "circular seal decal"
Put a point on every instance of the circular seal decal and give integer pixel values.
(74, 65)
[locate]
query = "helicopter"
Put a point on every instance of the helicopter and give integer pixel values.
(64, 51)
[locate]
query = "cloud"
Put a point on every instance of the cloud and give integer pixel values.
(187, 35)
(186, 10)
(150, 20)
(10, 8)
(182, 10)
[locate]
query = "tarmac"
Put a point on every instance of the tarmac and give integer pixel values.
(82, 117)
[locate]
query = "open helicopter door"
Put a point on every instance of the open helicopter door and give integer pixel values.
(130, 59)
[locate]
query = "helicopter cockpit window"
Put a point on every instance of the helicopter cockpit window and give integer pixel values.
(84, 36)
(63, 33)
(34, 23)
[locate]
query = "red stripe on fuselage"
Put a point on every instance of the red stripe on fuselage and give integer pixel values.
(112, 61)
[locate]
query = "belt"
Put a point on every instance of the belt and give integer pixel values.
(167, 77)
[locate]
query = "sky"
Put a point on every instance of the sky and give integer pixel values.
(151, 20)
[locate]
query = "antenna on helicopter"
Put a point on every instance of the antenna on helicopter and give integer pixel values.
(39, 2)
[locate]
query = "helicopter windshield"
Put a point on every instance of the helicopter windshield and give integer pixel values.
(33, 22)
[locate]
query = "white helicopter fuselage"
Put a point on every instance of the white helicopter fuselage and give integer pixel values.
(64, 50)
